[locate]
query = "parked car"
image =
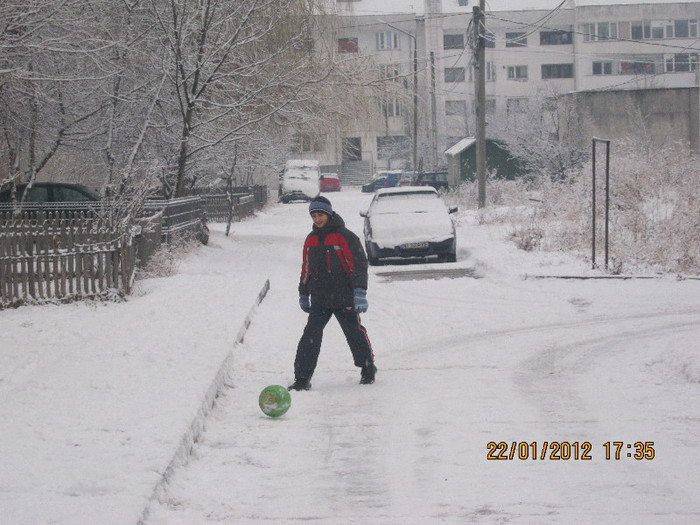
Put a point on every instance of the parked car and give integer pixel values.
(330, 182)
(436, 179)
(373, 185)
(407, 178)
(300, 180)
(391, 178)
(384, 179)
(42, 192)
(409, 223)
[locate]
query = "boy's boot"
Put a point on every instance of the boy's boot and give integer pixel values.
(367, 374)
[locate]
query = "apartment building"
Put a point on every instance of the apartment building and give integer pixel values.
(539, 49)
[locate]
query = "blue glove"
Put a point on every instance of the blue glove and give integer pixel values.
(360, 299)
(304, 303)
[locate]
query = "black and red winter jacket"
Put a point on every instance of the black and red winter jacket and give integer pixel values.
(334, 264)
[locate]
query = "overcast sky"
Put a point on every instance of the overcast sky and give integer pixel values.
(369, 7)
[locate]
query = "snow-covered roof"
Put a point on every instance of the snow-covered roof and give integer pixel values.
(460, 146)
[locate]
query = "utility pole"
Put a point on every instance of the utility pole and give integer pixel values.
(480, 86)
(433, 108)
(415, 102)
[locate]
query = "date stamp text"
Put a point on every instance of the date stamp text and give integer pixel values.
(568, 450)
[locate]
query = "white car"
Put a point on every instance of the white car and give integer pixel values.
(409, 222)
(300, 180)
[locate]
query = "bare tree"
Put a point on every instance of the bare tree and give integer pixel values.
(57, 67)
(231, 66)
(547, 136)
(110, 89)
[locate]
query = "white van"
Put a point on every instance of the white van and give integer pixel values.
(300, 180)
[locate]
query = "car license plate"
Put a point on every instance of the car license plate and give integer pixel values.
(415, 246)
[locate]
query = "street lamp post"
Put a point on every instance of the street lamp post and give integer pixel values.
(414, 159)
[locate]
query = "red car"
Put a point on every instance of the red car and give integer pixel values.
(330, 182)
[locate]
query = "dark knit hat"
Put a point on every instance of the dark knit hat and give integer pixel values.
(321, 204)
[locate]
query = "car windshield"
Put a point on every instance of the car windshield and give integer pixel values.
(407, 203)
(296, 173)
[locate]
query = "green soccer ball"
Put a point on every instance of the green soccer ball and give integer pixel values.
(274, 400)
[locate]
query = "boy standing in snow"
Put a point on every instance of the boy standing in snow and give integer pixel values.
(333, 282)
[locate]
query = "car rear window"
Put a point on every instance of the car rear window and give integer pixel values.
(408, 202)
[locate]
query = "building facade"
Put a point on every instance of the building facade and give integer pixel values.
(532, 54)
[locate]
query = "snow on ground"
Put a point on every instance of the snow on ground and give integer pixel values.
(95, 398)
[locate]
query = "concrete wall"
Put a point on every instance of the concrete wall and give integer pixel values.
(663, 116)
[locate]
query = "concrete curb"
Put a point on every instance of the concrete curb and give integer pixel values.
(613, 277)
(184, 449)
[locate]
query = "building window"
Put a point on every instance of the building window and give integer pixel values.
(453, 41)
(636, 67)
(463, 3)
(516, 39)
(556, 38)
(550, 71)
(596, 31)
(490, 72)
(663, 29)
(391, 108)
(454, 74)
(658, 30)
(489, 39)
(390, 72)
(681, 62)
(387, 40)
(455, 107)
(306, 143)
(685, 28)
(602, 68)
(637, 32)
(517, 72)
(347, 45)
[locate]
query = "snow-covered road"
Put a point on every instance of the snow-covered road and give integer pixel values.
(479, 356)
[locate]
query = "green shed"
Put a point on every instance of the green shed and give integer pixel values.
(461, 161)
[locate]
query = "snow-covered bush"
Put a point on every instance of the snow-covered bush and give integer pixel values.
(654, 210)
(166, 261)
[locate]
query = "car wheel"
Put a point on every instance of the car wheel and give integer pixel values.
(373, 261)
(450, 257)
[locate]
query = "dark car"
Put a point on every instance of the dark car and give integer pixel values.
(436, 179)
(373, 185)
(42, 192)
(409, 223)
(385, 179)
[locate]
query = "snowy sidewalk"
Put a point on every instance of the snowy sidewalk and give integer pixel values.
(95, 399)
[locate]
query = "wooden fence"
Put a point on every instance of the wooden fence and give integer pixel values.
(66, 252)
(63, 259)
(221, 208)
(182, 217)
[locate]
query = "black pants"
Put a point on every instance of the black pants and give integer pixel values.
(310, 343)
